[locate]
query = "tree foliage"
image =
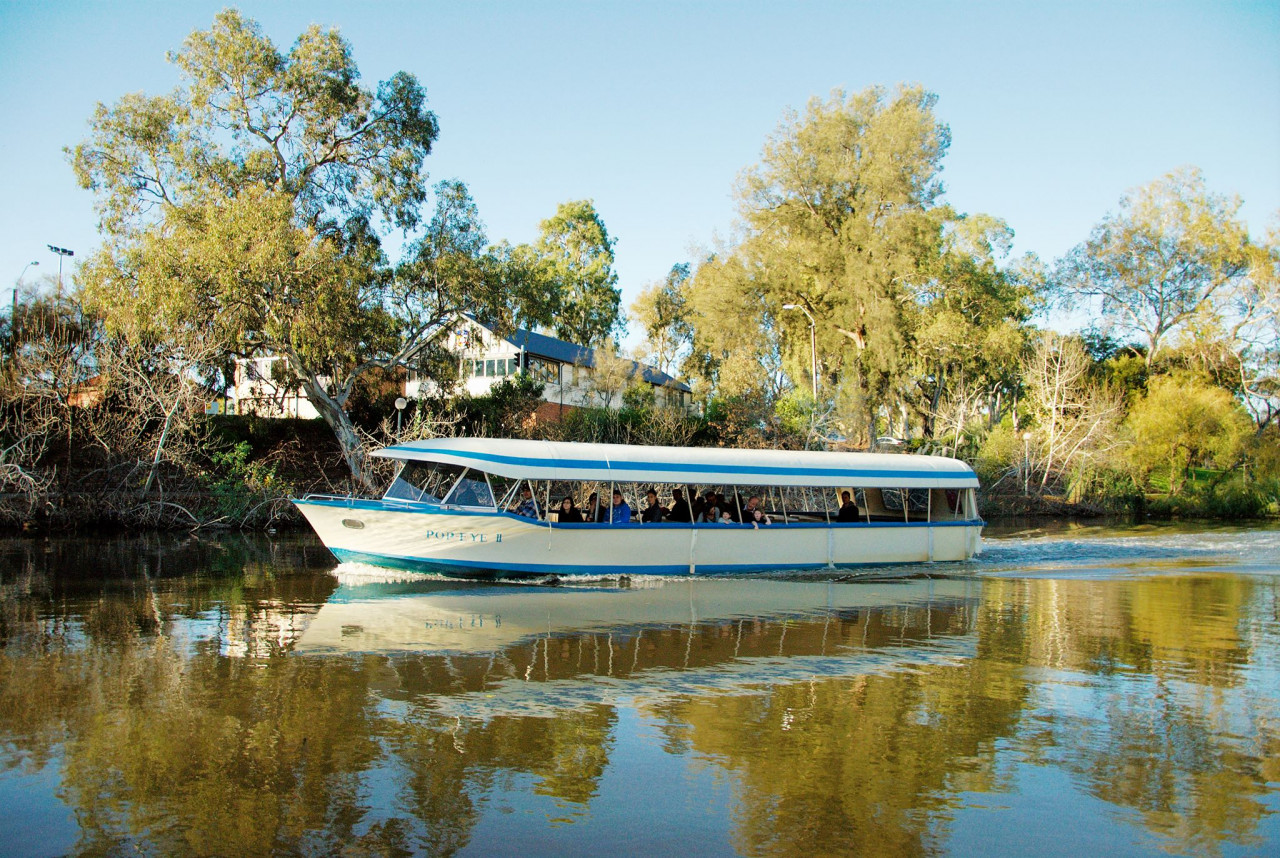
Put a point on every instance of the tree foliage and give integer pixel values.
(662, 310)
(242, 208)
(842, 217)
(1161, 263)
(577, 253)
(1183, 423)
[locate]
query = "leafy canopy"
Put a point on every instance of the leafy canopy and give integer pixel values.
(243, 209)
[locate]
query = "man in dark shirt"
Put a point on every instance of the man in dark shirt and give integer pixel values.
(848, 509)
(652, 511)
(679, 507)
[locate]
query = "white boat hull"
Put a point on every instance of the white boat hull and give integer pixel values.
(501, 545)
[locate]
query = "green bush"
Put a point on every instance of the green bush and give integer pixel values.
(1001, 451)
(238, 487)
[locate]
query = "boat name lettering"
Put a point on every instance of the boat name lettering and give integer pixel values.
(459, 536)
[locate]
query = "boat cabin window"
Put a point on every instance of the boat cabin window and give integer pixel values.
(471, 490)
(424, 482)
(504, 489)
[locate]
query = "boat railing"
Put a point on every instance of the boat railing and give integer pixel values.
(321, 497)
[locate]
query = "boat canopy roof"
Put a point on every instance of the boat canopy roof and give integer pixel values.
(624, 463)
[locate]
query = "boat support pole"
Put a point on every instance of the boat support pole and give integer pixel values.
(929, 523)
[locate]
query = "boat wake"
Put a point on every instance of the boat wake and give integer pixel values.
(1083, 552)
(1142, 550)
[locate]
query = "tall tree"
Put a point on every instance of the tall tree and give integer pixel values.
(663, 313)
(577, 253)
(842, 218)
(242, 206)
(1074, 419)
(1172, 252)
(971, 333)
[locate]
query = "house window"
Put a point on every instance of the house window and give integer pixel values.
(478, 368)
(545, 371)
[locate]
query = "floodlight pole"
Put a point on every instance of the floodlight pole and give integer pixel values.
(62, 252)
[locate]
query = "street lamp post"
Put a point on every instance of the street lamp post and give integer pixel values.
(62, 252)
(16, 286)
(401, 402)
(813, 346)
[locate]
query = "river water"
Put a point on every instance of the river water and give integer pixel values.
(1072, 691)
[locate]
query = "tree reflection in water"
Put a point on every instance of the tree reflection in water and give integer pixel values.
(178, 692)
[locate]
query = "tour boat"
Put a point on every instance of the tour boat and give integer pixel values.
(453, 508)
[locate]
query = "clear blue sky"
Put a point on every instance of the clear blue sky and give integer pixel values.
(651, 109)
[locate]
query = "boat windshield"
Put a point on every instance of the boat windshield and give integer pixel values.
(471, 490)
(424, 482)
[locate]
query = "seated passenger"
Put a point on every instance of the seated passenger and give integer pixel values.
(679, 508)
(621, 512)
(652, 512)
(702, 504)
(569, 512)
(471, 492)
(758, 518)
(748, 511)
(528, 506)
(596, 511)
(725, 518)
(848, 509)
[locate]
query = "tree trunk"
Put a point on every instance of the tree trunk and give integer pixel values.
(344, 431)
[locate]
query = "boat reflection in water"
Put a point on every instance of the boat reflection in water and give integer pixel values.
(506, 642)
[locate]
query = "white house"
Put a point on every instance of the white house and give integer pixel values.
(573, 376)
(253, 391)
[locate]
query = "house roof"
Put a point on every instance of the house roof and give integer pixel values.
(542, 345)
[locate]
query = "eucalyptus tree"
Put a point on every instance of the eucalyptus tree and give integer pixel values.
(576, 254)
(841, 216)
(1174, 254)
(662, 309)
(247, 207)
(972, 331)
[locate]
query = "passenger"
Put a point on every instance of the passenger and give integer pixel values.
(725, 518)
(758, 518)
(699, 506)
(569, 512)
(722, 506)
(848, 509)
(621, 513)
(596, 511)
(679, 508)
(470, 492)
(710, 513)
(528, 506)
(652, 512)
(748, 511)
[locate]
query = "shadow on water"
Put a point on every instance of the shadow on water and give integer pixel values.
(235, 696)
